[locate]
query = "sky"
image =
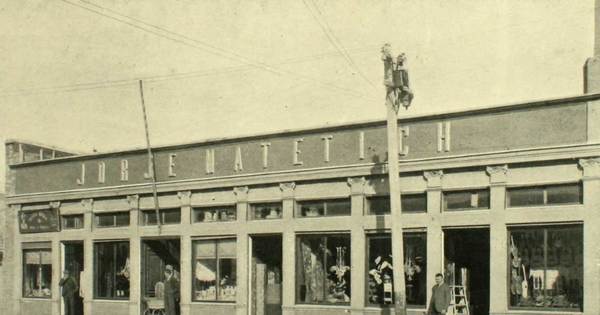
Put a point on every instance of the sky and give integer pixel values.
(227, 68)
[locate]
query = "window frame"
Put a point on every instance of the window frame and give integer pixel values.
(196, 209)
(251, 207)
(544, 188)
(297, 300)
(215, 242)
(63, 218)
(387, 234)
(370, 197)
(114, 214)
(476, 190)
(95, 276)
(144, 213)
(298, 204)
(39, 271)
(545, 228)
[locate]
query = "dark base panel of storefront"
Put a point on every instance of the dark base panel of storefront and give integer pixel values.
(36, 307)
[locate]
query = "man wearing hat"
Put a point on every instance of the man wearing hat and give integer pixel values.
(70, 289)
(171, 293)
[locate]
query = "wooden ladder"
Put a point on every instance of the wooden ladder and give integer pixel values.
(459, 303)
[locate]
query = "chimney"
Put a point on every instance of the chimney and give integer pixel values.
(591, 69)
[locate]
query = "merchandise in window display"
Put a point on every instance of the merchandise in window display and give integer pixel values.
(337, 289)
(380, 280)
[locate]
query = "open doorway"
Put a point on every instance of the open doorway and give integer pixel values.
(467, 263)
(265, 275)
(157, 254)
(72, 262)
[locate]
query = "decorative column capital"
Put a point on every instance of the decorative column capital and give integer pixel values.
(357, 185)
(497, 173)
(434, 178)
(185, 197)
(241, 193)
(54, 204)
(287, 190)
(87, 204)
(133, 201)
(590, 167)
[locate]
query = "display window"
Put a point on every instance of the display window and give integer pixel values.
(546, 267)
(266, 211)
(323, 269)
(111, 270)
(544, 195)
(167, 216)
(466, 200)
(215, 273)
(319, 208)
(37, 273)
(215, 214)
(410, 203)
(380, 269)
(112, 219)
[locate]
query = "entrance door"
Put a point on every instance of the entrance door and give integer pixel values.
(265, 275)
(156, 255)
(467, 262)
(73, 262)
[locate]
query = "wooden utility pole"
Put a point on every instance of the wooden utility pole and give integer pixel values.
(397, 92)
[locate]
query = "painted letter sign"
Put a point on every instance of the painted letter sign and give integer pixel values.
(38, 221)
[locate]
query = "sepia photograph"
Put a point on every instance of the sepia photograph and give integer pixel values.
(299, 157)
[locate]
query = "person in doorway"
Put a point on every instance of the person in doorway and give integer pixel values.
(440, 296)
(70, 289)
(171, 293)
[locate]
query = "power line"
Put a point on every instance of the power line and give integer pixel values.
(333, 39)
(205, 46)
(164, 77)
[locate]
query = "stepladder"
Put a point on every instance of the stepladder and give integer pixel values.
(459, 302)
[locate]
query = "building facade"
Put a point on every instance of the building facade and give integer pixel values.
(503, 201)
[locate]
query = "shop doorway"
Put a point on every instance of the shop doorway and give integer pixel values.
(156, 255)
(265, 275)
(467, 263)
(72, 261)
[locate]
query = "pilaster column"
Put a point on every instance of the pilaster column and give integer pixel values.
(288, 248)
(12, 261)
(243, 265)
(88, 214)
(135, 283)
(57, 273)
(357, 249)
(87, 279)
(591, 234)
(498, 242)
(186, 274)
(185, 197)
(435, 240)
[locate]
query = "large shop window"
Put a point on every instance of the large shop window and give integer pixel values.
(546, 267)
(323, 269)
(37, 273)
(466, 200)
(111, 270)
(410, 203)
(167, 216)
(380, 273)
(112, 219)
(215, 214)
(318, 208)
(215, 276)
(545, 195)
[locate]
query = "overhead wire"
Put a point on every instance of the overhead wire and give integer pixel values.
(206, 47)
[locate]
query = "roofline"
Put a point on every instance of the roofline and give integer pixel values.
(45, 146)
(366, 123)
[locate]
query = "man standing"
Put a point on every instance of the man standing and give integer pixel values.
(69, 292)
(440, 297)
(171, 291)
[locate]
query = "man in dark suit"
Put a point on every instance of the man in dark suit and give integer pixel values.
(440, 297)
(70, 290)
(171, 291)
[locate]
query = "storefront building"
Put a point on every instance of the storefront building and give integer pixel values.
(503, 200)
